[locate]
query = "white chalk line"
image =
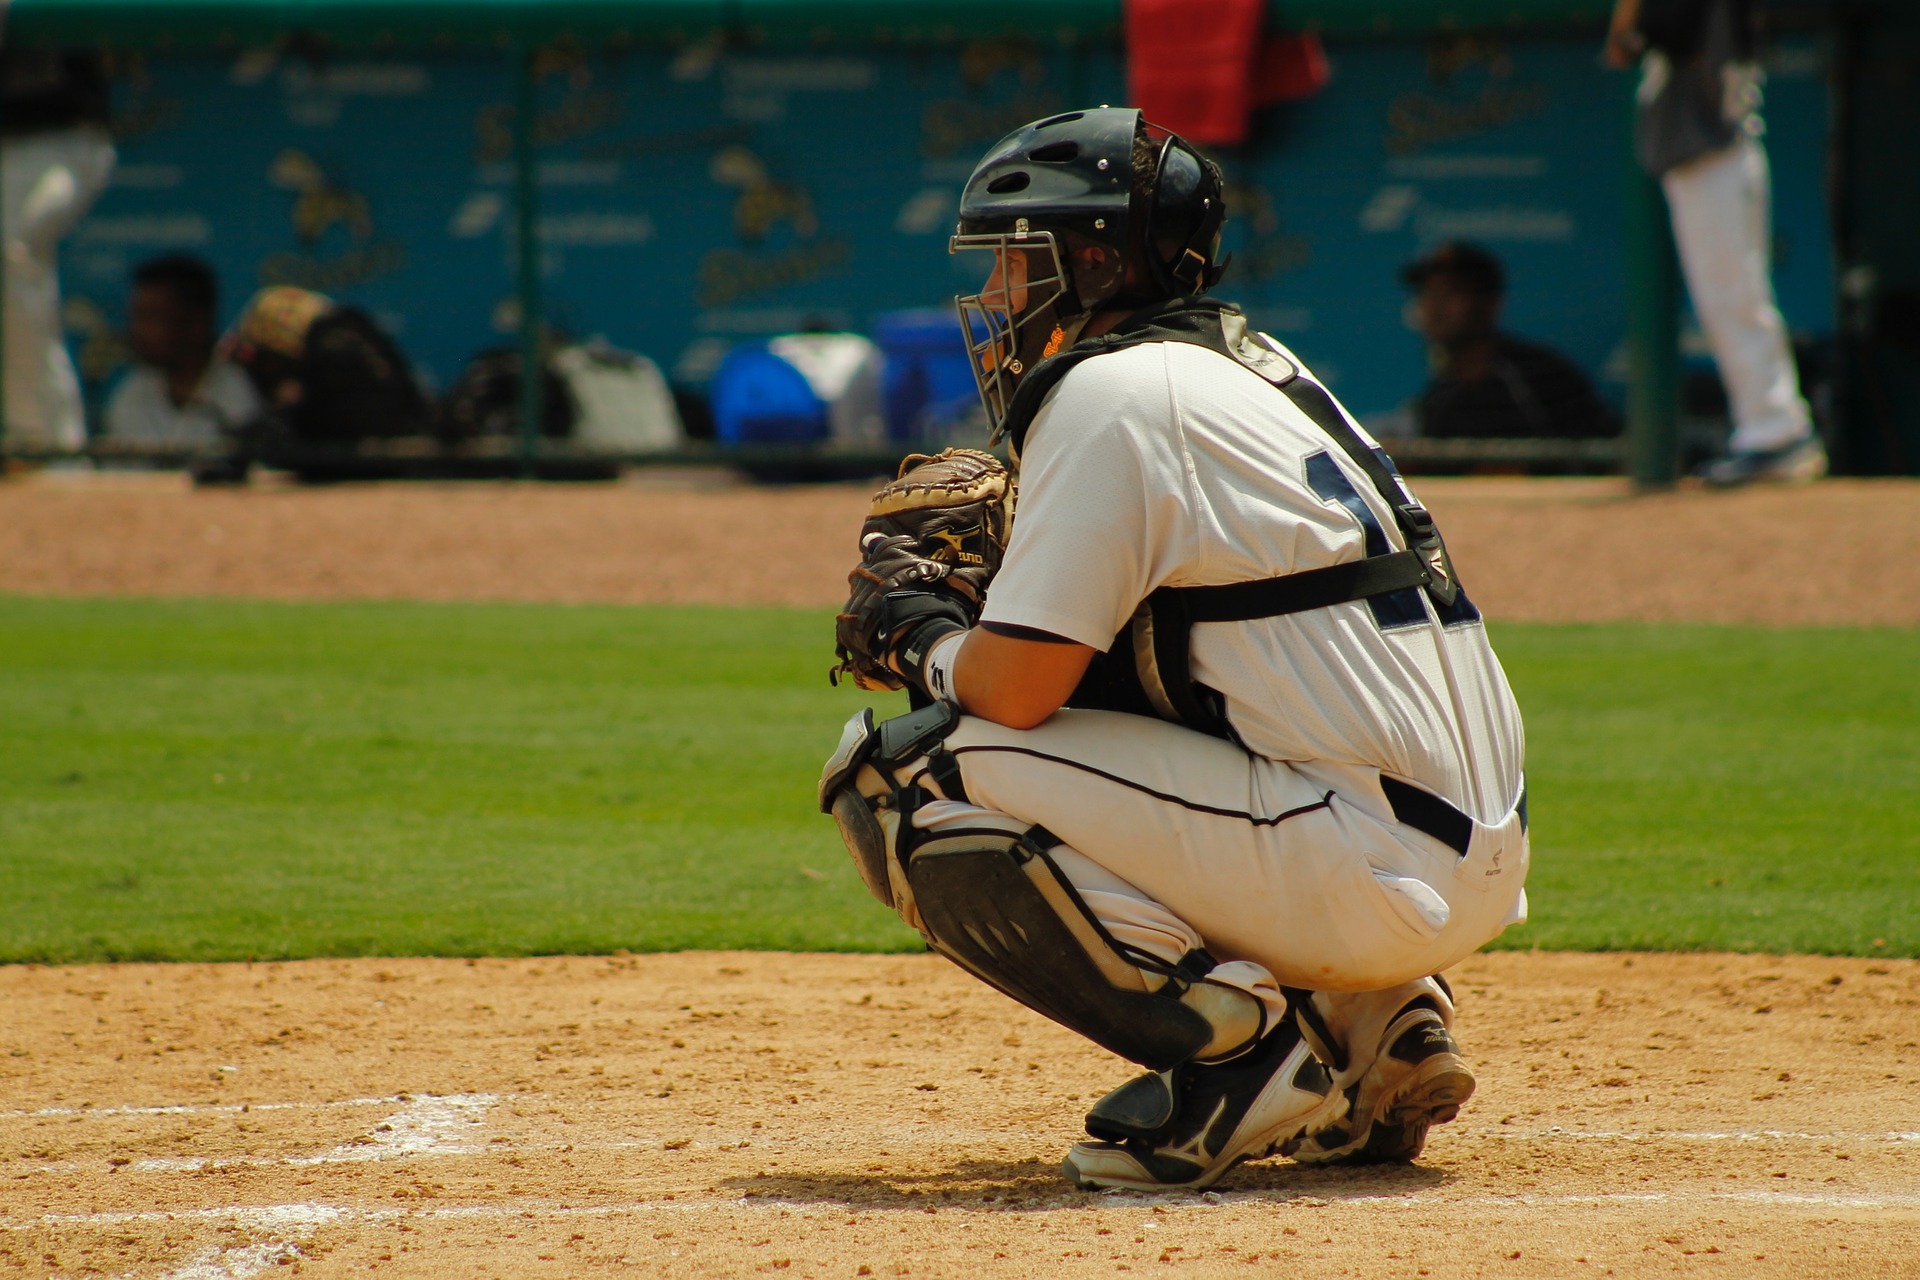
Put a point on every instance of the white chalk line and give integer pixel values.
(1556, 1133)
(433, 1125)
(242, 1262)
(1551, 1133)
(215, 1109)
(302, 1219)
(426, 1126)
(430, 1127)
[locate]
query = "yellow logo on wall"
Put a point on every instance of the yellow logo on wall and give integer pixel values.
(326, 209)
(764, 204)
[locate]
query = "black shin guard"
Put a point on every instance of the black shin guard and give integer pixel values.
(1009, 917)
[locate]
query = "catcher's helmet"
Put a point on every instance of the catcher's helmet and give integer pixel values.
(1057, 184)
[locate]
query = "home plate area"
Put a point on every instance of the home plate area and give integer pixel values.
(729, 1114)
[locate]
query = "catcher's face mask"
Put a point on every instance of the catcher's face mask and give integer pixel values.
(1015, 321)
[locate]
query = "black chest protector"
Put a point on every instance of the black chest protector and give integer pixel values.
(1147, 670)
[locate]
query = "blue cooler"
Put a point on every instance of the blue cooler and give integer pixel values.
(759, 398)
(928, 384)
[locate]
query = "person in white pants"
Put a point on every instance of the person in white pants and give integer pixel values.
(1698, 130)
(1225, 771)
(56, 155)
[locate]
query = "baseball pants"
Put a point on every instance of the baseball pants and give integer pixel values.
(1722, 227)
(47, 182)
(1177, 840)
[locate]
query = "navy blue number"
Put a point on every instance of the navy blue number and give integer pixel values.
(1402, 608)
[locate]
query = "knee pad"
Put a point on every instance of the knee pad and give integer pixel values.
(873, 809)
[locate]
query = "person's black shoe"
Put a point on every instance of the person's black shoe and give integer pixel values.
(1417, 1079)
(1188, 1126)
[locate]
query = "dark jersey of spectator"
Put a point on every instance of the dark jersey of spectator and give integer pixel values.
(1529, 392)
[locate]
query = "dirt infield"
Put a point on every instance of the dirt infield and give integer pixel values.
(1841, 552)
(724, 1115)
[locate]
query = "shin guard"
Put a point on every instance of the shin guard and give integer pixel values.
(995, 903)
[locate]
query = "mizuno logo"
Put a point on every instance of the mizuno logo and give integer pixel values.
(954, 543)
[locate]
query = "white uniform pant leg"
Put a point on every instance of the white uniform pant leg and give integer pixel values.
(47, 182)
(1263, 865)
(1722, 227)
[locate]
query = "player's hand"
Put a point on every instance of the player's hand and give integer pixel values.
(865, 633)
(932, 540)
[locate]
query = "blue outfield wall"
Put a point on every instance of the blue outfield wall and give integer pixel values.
(695, 199)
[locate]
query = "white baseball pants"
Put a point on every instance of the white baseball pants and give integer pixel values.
(47, 181)
(1722, 224)
(1177, 840)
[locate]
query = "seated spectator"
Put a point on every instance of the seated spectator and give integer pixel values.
(180, 396)
(1484, 383)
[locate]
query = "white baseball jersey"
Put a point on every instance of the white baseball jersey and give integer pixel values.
(1167, 464)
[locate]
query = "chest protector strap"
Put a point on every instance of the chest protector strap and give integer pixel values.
(1147, 671)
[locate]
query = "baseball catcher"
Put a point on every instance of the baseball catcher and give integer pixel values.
(1216, 767)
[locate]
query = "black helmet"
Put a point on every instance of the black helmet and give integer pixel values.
(1068, 180)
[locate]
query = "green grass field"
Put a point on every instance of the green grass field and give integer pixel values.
(211, 780)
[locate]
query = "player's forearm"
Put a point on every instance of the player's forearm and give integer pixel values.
(1015, 682)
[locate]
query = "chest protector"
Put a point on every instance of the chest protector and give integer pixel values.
(1147, 670)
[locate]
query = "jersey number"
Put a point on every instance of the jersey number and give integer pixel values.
(1395, 608)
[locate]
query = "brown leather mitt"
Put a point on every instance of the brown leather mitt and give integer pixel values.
(932, 541)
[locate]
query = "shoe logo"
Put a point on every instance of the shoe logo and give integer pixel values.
(1195, 1148)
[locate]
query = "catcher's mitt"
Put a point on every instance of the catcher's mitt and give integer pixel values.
(932, 540)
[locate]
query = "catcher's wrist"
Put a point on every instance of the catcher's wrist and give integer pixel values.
(910, 653)
(937, 669)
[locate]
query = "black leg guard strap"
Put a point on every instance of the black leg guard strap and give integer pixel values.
(1314, 1027)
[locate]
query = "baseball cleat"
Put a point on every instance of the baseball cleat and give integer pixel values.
(1188, 1126)
(1417, 1081)
(1793, 463)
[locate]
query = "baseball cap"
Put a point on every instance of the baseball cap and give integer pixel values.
(1469, 263)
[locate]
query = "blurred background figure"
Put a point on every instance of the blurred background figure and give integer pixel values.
(1698, 129)
(56, 154)
(327, 371)
(1483, 383)
(180, 395)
